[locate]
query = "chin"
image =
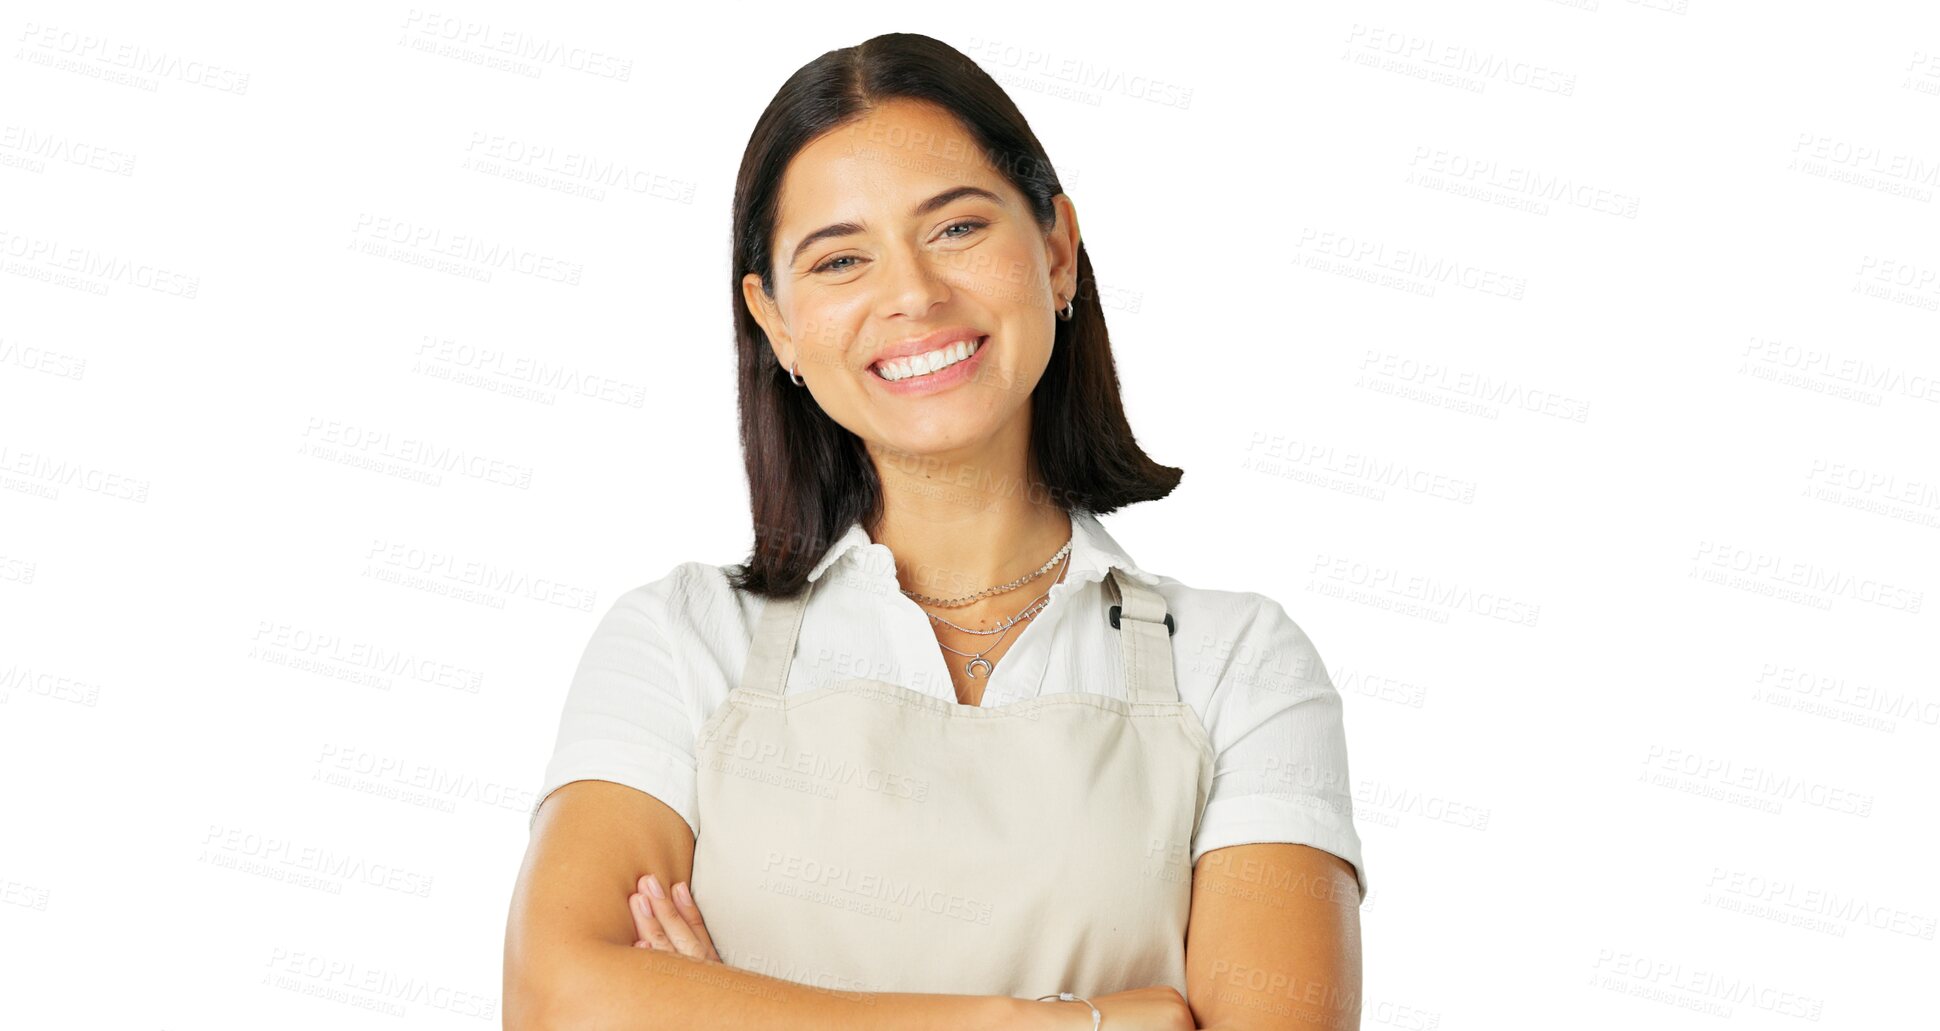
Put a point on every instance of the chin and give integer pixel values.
(939, 435)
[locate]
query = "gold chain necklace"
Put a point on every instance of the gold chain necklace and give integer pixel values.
(977, 658)
(957, 603)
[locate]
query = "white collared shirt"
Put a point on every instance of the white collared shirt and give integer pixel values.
(668, 652)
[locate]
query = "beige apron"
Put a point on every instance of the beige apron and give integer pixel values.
(865, 836)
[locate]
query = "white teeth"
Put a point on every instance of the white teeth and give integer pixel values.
(927, 362)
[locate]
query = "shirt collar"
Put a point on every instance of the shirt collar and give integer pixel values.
(1093, 552)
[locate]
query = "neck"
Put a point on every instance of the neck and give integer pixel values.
(958, 526)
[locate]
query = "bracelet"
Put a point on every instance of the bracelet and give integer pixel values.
(1097, 1018)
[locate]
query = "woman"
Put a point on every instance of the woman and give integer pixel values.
(938, 751)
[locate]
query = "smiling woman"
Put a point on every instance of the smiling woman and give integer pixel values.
(939, 750)
(903, 235)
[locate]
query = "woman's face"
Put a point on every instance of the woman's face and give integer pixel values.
(894, 235)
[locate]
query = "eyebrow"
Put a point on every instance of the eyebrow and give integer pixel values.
(948, 196)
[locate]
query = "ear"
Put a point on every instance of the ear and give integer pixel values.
(1063, 242)
(768, 317)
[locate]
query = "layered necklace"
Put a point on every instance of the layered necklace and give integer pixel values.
(977, 661)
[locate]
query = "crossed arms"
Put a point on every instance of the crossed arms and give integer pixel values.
(1273, 942)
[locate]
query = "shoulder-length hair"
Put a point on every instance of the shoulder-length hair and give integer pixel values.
(809, 478)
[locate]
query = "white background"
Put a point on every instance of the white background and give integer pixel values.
(1569, 372)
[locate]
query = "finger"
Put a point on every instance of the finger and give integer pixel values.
(673, 923)
(684, 903)
(647, 926)
(642, 917)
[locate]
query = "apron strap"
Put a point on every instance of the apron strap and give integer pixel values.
(773, 649)
(1145, 632)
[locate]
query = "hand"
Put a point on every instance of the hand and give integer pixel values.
(1158, 1008)
(670, 924)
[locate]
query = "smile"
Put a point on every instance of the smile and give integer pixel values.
(929, 362)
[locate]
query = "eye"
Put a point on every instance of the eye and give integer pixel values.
(830, 266)
(974, 224)
(969, 225)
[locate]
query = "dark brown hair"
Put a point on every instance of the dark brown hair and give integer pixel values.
(809, 478)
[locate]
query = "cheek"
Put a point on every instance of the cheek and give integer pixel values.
(1009, 272)
(828, 324)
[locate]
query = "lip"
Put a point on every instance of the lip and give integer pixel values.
(942, 379)
(917, 345)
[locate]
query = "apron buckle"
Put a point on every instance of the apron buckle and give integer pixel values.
(1170, 628)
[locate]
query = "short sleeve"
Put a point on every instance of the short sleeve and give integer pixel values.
(626, 717)
(1279, 745)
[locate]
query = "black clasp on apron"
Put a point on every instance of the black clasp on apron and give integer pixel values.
(1170, 628)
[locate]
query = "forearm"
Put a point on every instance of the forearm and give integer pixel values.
(1306, 1018)
(621, 988)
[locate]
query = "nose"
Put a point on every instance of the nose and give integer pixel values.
(913, 284)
